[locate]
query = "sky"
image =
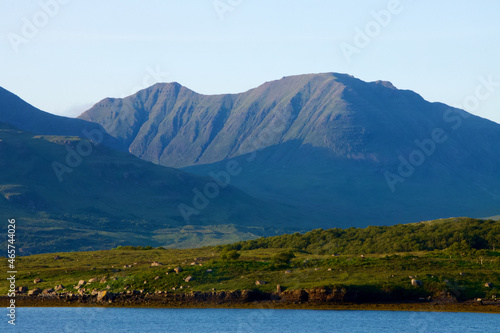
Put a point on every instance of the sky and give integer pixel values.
(63, 56)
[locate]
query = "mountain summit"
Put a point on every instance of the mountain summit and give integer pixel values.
(171, 125)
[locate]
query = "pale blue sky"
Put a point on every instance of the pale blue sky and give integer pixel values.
(88, 50)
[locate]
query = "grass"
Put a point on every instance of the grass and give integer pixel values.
(376, 274)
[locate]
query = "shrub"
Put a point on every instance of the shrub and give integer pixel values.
(283, 257)
(229, 255)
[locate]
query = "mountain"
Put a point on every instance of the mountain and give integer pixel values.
(20, 114)
(344, 151)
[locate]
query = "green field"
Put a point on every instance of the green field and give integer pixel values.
(462, 267)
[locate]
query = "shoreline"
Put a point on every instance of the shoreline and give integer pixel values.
(156, 301)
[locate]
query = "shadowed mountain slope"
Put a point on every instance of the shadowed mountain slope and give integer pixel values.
(16, 112)
(106, 197)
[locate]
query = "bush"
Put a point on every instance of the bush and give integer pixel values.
(283, 257)
(229, 255)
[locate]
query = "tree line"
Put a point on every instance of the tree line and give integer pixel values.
(461, 234)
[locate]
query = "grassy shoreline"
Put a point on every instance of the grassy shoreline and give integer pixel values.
(376, 278)
(324, 268)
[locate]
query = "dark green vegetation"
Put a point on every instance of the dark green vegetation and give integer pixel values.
(322, 143)
(462, 269)
(112, 198)
(454, 235)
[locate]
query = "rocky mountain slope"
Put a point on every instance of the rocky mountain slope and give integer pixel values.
(345, 151)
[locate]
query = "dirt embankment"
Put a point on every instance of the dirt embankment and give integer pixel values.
(322, 298)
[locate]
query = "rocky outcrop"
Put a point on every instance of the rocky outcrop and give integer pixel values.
(35, 292)
(314, 296)
(325, 295)
(155, 264)
(445, 298)
(321, 295)
(103, 296)
(317, 295)
(22, 289)
(415, 282)
(295, 296)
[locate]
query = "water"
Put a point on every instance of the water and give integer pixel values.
(73, 320)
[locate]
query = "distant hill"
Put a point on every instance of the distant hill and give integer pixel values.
(332, 145)
(110, 198)
(20, 114)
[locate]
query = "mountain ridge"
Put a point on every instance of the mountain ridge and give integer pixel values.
(149, 142)
(325, 141)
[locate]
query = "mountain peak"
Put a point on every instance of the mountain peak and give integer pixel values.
(174, 126)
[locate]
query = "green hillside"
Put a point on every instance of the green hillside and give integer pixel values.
(453, 234)
(103, 198)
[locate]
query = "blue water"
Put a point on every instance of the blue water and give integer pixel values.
(73, 320)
